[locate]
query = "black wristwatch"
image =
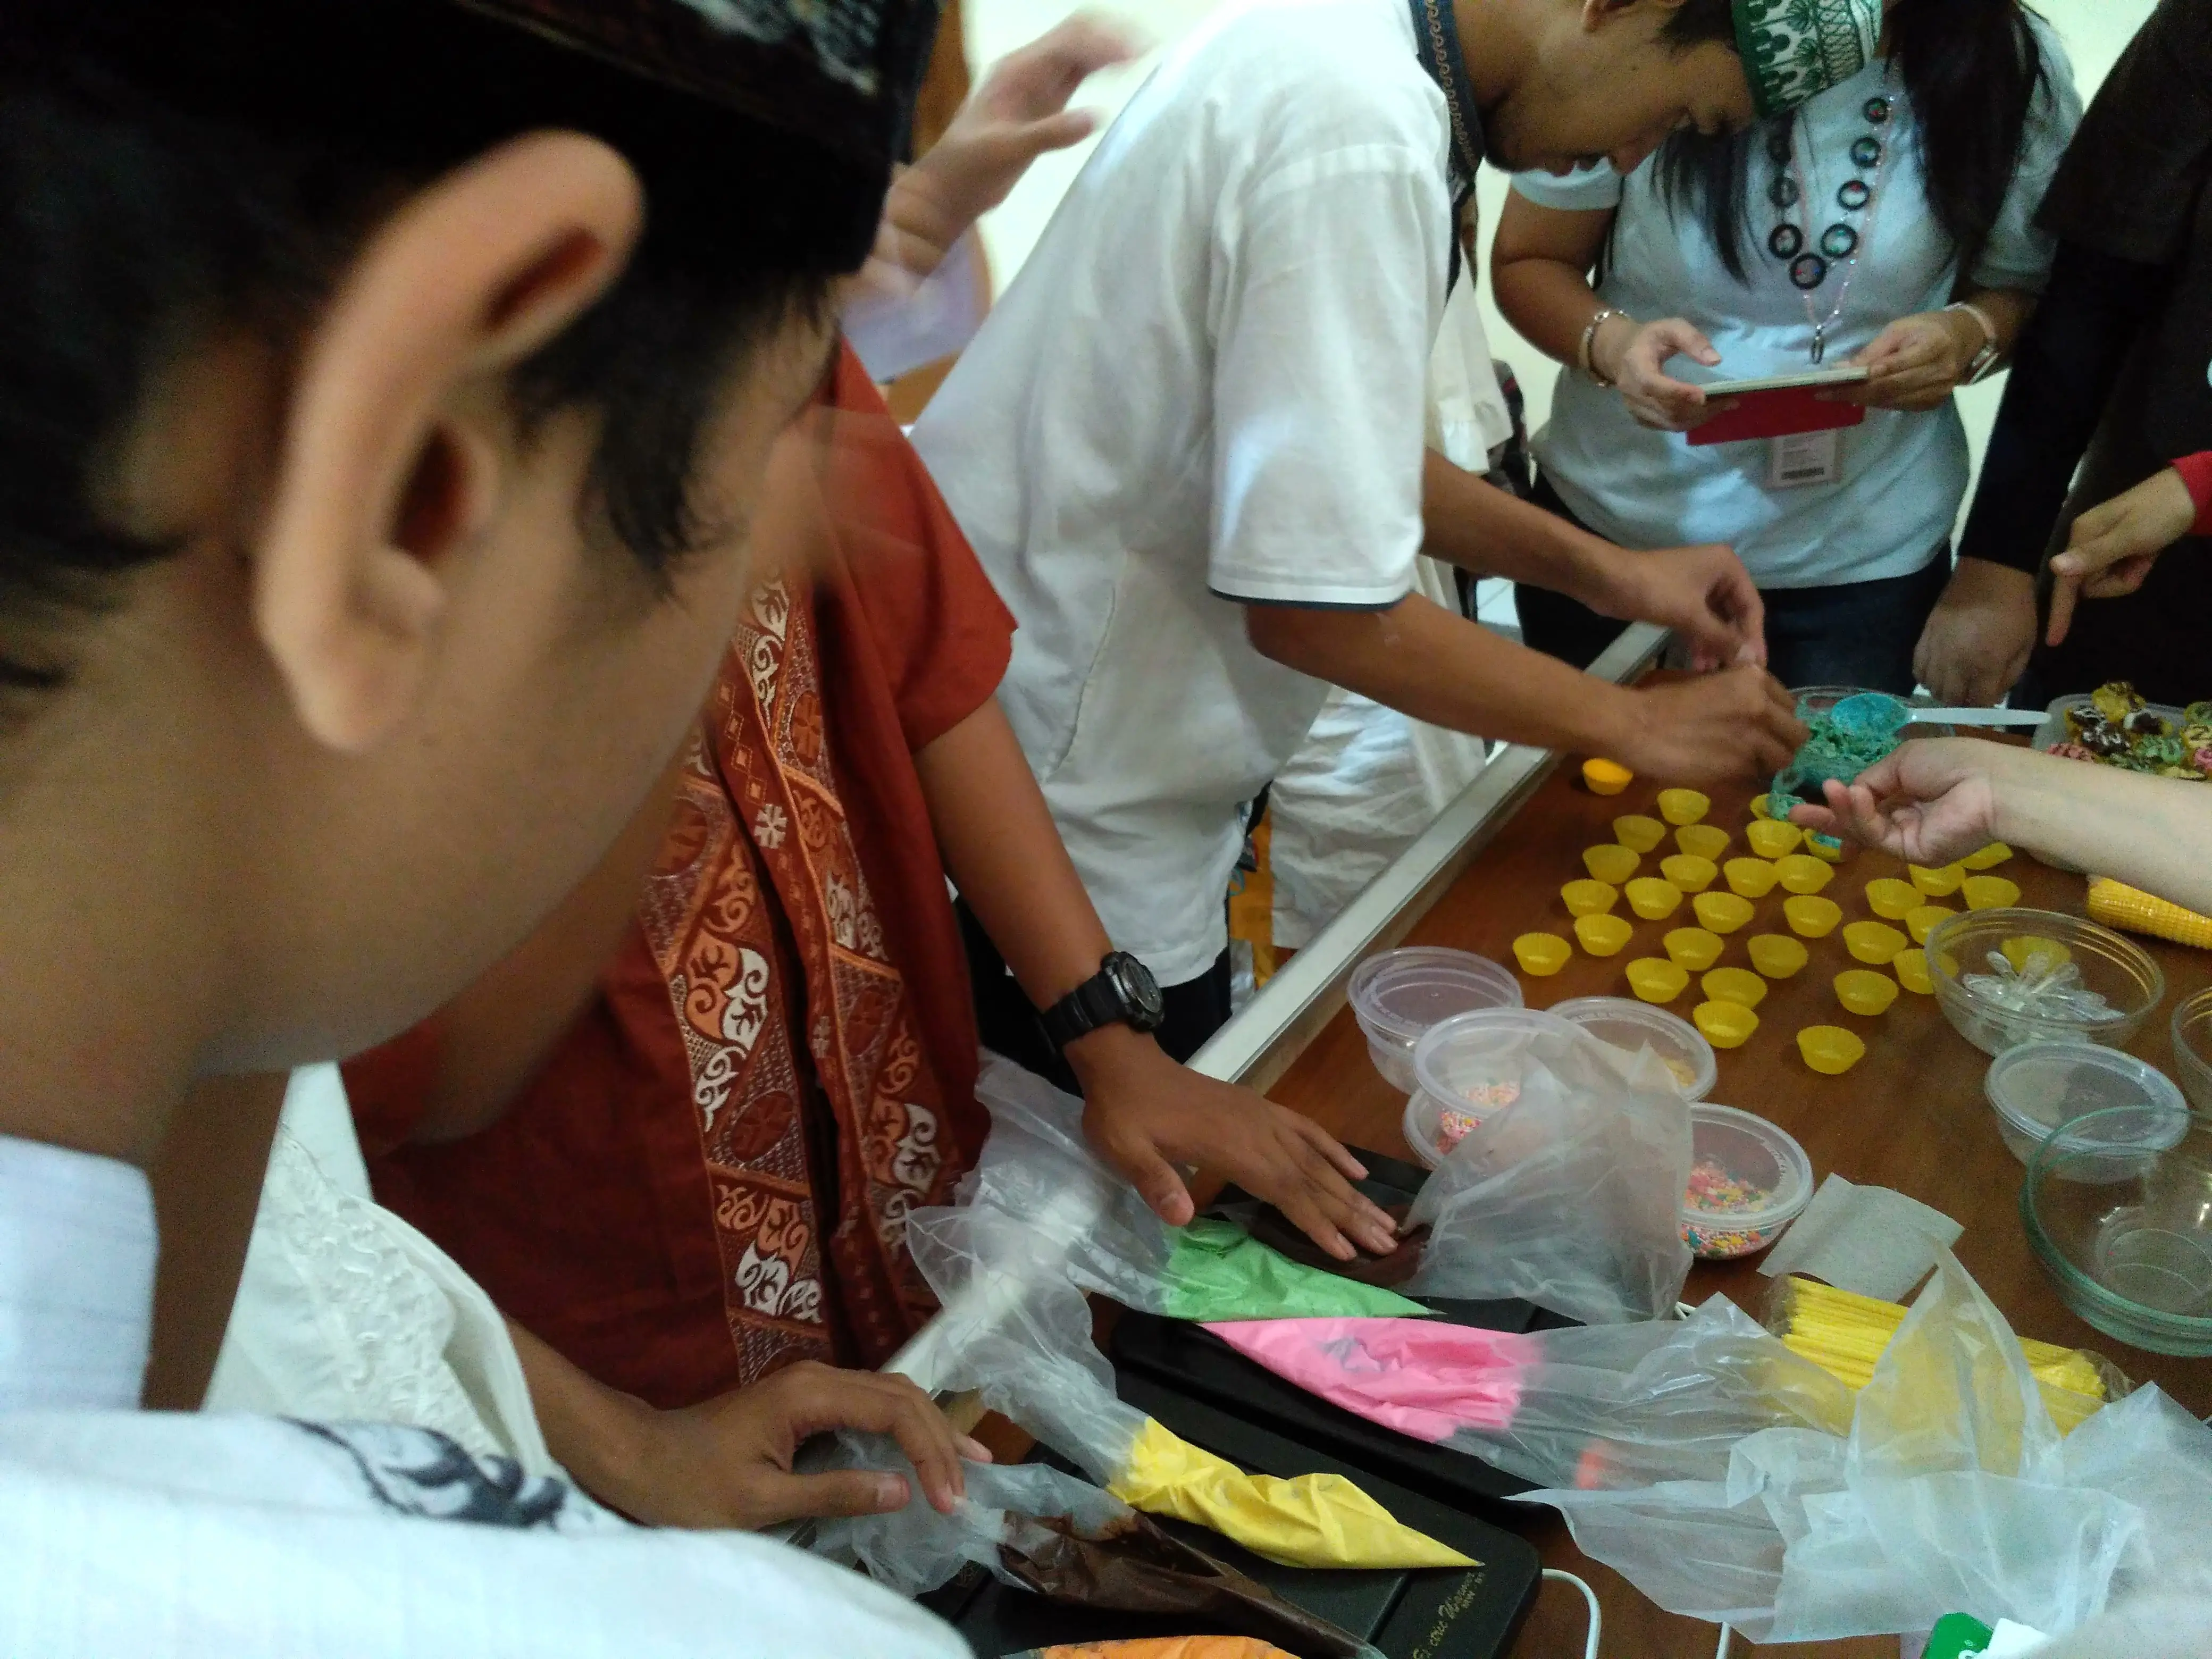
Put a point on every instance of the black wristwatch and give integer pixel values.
(1123, 989)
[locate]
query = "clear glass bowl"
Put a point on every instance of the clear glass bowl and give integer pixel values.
(1678, 1045)
(1398, 996)
(2128, 980)
(1470, 1067)
(1742, 1147)
(2038, 1089)
(2128, 1239)
(2192, 1049)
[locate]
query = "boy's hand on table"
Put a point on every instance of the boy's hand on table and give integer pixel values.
(1145, 1113)
(1928, 802)
(1976, 640)
(1716, 728)
(726, 1462)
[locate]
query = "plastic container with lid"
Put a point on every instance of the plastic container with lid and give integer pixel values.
(2036, 1089)
(1748, 1181)
(1398, 996)
(1466, 1069)
(1632, 1025)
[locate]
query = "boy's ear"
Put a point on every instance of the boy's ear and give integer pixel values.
(380, 476)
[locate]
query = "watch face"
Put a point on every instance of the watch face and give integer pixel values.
(1140, 991)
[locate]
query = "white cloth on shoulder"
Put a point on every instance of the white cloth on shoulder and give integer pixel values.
(347, 1314)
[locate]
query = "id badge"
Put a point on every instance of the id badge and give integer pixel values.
(1803, 459)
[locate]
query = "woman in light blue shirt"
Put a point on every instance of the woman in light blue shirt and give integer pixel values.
(1838, 235)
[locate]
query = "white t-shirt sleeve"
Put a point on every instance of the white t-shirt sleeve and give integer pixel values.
(1587, 190)
(1331, 284)
(2018, 254)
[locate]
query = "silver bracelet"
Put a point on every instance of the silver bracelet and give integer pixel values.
(1589, 338)
(1986, 358)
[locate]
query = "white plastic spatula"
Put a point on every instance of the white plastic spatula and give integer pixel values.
(1978, 716)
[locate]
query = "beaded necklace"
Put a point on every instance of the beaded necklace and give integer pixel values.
(1810, 269)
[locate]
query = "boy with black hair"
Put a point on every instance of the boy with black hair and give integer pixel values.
(386, 394)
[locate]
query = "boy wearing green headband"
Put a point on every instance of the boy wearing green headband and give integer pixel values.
(1187, 444)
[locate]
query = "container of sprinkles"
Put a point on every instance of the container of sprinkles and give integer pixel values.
(1468, 1069)
(1748, 1181)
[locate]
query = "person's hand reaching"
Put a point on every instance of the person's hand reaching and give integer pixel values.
(1704, 594)
(1144, 1115)
(1018, 113)
(727, 1462)
(1929, 802)
(1636, 362)
(1976, 642)
(2113, 547)
(1716, 728)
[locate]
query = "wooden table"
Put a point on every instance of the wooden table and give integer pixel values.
(1911, 1115)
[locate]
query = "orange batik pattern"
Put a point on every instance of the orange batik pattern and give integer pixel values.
(760, 921)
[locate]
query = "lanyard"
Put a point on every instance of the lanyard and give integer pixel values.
(1436, 41)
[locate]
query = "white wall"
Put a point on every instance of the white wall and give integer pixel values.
(2094, 31)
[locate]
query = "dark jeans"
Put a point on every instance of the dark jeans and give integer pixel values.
(1196, 1009)
(1860, 634)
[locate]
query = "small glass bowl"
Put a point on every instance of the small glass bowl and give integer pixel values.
(1811, 916)
(1681, 806)
(1721, 913)
(1629, 1025)
(1601, 935)
(1830, 1049)
(1890, 898)
(1610, 862)
(1655, 979)
(1751, 878)
(1688, 872)
(1736, 1146)
(1801, 873)
(1777, 956)
(1737, 985)
(1725, 1025)
(1702, 841)
(2130, 1252)
(1398, 996)
(1874, 942)
(2192, 1049)
(1584, 896)
(1638, 833)
(1653, 899)
(2113, 967)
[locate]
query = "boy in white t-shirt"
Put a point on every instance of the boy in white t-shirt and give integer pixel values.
(1187, 442)
(388, 390)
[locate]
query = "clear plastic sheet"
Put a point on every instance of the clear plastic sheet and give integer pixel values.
(1572, 1197)
(1944, 1486)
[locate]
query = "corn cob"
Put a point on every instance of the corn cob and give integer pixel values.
(2118, 905)
(1845, 1335)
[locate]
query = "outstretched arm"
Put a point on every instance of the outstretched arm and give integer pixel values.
(1143, 1112)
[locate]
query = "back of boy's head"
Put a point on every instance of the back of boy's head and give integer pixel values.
(169, 170)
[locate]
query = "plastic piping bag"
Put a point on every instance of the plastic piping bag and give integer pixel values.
(1420, 1376)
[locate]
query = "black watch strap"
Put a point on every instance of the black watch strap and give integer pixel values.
(1121, 992)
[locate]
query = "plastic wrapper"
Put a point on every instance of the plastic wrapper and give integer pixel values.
(1079, 1217)
(1061, 1537)
(1942, 1485)
(1017, 1332)
(1572, 1197)
(1161, 1647)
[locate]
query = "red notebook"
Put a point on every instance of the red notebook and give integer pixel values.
(1778, 407)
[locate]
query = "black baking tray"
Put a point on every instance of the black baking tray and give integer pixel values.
(1429, 1613)
(1191, 1360)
